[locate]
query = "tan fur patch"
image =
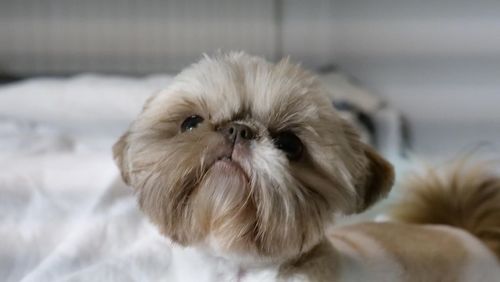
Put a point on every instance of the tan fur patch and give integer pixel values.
(319, 264)
(466, 197)
(345, 239)
(425, 254)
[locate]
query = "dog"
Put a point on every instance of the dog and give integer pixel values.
(244, 165)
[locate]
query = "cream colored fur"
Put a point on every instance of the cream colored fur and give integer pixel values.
(245, 207)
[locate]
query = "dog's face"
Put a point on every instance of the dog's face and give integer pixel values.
(247, 158)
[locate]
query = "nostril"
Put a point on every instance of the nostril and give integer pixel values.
(236, 131)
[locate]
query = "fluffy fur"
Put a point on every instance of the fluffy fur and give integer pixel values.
(466, 197)
(268, 207)
(255, 214)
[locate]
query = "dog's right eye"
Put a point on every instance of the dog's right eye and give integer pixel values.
(290, 144)
(191, 123)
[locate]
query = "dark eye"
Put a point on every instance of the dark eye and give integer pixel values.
(191, 123)
(290, 144)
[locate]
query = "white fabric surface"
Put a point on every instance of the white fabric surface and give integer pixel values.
(62, 221)
(63, 214)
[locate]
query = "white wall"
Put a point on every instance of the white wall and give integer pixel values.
(438, 61)
(129, 36)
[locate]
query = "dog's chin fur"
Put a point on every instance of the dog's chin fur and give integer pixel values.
(258, 205)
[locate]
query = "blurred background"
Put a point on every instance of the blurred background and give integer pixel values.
(419, 79)
(438, 62)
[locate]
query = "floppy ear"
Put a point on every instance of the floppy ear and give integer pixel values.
(120, 148)
(378, 181)
(120, 156)
(374, 177)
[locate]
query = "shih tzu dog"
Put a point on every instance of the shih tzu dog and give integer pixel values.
(244, 165)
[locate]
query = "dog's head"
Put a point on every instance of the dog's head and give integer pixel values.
(248, 158)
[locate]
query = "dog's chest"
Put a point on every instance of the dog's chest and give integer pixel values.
(191, 265)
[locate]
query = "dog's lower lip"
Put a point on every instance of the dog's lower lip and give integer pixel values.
(229, 162)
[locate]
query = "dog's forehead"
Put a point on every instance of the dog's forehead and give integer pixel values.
(245, 87)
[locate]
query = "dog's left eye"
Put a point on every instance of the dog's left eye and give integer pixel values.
(290, 144)
(191, 123)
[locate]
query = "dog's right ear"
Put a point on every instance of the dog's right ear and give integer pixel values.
(121, 148)
(120, 156)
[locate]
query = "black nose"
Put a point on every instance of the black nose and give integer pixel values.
(237, 132)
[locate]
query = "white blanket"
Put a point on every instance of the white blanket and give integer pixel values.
(64, 215)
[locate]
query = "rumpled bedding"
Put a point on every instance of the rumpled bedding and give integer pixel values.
(65, 215)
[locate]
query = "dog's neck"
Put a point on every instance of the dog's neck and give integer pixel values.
(196, 264)
(321, 263)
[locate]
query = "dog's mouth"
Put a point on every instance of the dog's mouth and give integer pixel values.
(228, 165)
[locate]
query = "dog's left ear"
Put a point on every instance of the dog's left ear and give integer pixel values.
(378, 181)
(376, 177)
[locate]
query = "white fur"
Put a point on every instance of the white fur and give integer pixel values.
(194, 265)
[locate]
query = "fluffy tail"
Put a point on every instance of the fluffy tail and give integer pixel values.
(465, 197)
